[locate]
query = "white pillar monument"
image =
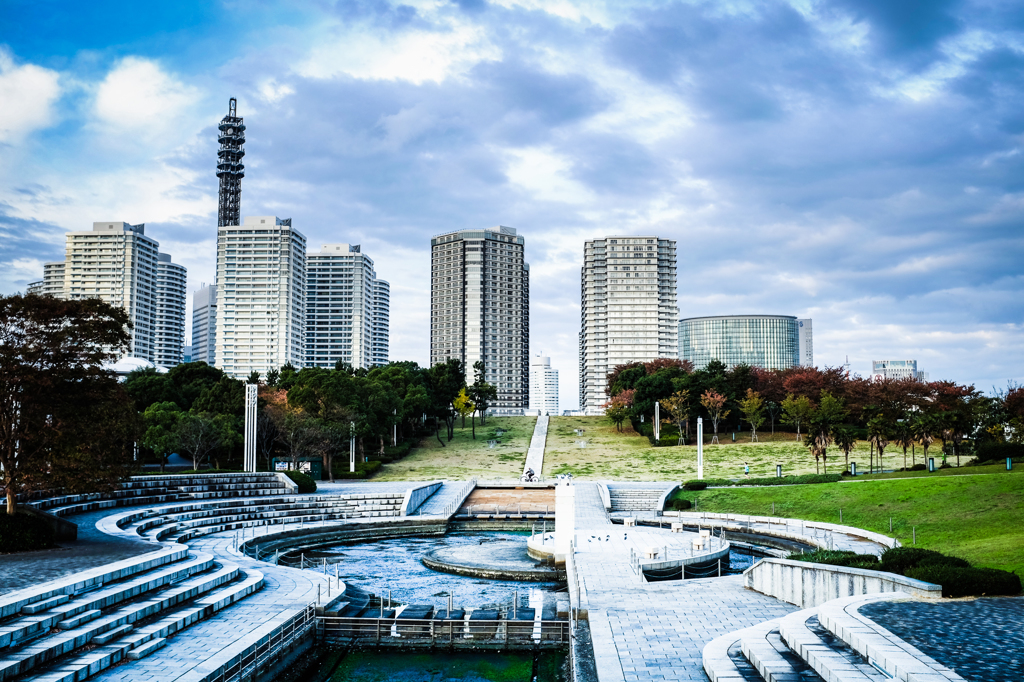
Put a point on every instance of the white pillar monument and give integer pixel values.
(657, 420)
(565, 517)
(251, 391)
(700, 449)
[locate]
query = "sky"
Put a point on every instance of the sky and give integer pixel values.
(857, 162)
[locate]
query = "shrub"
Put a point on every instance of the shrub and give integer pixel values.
(901, 559)
(998, 452)
(845, 473)
(917, 467)
(678, 505)
(966, 581)
(24, 532)
(835, 557)
(306, 483)
(695, 485)
(945, 465)
(363, 470)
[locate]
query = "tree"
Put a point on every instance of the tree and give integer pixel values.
(297, 434)
(617, 412)
(903, 435)
(845, 439)
(273, 376)
(464, 406)
(65, 422)
(879, 433)
(200, 434)
(677, 406)
(714, 403)
(266, 435)
(795, 411)
(481, 393)
(822, 423)
(924, 428)
(773, 409)
(254, 378)
(753, 411)
(160, 421)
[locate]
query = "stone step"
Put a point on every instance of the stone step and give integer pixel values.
(763, 648)
(84, 665)
(53, 646)
(146, 649)
(14, 631)
(827, 655)
(45, 605)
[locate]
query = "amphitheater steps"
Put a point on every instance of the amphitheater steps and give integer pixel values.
(634, 499)
(78, 637)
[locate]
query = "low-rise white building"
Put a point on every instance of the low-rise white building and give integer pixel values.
(896, 369)
(543, 386)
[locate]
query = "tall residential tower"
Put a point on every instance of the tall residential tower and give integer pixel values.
(628, 309)
(169, 327)
(261, 296)
(204, 325)
(480, 309)
(344, 320)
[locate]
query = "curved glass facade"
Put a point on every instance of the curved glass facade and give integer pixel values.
(768, 341)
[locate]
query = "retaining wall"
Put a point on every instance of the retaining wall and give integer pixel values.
(415, 497)
(353, 530)
(807, 585)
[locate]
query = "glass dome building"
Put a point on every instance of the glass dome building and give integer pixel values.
(768, 341)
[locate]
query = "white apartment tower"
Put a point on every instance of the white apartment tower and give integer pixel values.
(169, 327)
(343, 318)
(480, 309)
(380, 350)
(204, 325)
(53, 279)
(805, 343)
(628, 309)
(117, 263)
(261, 296)
(543, 386)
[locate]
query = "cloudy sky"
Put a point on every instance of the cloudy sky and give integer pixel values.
(853, 161)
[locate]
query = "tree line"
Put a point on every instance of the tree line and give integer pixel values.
(68, 423)
(828, 409)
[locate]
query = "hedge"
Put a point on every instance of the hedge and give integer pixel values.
(773, 480)
(678, 505)
(363, 470)
(960, 581)
(990, 451)
(306, 483)
(695, 485)
(956, 576)
(24, 532)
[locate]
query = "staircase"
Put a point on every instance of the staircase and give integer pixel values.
(73, 628)
(830, 642)
(634, 499)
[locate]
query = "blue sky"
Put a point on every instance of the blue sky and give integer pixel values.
(857, 162)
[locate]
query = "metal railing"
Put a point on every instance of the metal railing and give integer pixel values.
(411, 632)
(260, 655)
(460, 497)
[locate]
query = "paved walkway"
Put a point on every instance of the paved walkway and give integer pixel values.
(981, 639)
(535, 455)
(450, 492)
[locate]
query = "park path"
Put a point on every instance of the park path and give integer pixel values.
(535, 455)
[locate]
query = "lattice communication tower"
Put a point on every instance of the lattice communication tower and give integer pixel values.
(229, 166)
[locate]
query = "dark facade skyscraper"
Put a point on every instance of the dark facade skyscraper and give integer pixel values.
(229, 167)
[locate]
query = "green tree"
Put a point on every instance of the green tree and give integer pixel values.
(677, 406)
(753, 411)
(879, 434)
(924, 428)
(796, 410)
(845, 439)
(714, 403)
(903, 434)
(254, 378)
(199, 434)
(481, 392)
(160, 421)
(822, 422)
(65, 422)
(273, 376)
(617, 412)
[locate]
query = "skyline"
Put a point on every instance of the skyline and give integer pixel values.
(836, 161)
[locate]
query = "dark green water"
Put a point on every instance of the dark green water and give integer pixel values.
(459, 666)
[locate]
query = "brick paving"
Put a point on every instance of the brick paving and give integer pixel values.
(981, 639)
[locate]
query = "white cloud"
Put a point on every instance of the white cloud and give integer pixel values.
(139, 96)
(27, 95)
(274, 92)
(545, 174)
(416, 56)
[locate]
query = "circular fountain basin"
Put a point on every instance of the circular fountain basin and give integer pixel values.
(497, 560)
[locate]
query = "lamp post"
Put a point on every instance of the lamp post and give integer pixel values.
(352, 448)
(700, 448)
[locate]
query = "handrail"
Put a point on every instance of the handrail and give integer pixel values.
(402, 630)
(259, 655)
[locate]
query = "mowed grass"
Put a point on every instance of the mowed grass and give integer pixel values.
(977, 517)
(464, 458)
(628, 456)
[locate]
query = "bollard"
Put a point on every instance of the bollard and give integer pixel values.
(318, 593)
(1009, 464)
(719, 568)
(890, 524)
(853, 468)
(915, 534)
(773, 509)
(778, 471)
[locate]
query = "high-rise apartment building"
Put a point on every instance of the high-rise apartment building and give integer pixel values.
(543, 386)
(204, 325)
(480, 309)
(628, 309)
(53, 279)
(380, 350)
(35, 288)
(261, 296)
(169, 326)
(117, 262)
(346, 309)
(805, 343)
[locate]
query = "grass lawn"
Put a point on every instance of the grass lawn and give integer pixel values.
(628, 456)
(979, 518)
(464, 458)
